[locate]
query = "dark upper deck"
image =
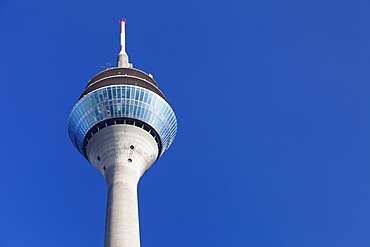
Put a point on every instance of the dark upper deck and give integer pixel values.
(122, 76)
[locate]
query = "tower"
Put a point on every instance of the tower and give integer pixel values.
(122, 124)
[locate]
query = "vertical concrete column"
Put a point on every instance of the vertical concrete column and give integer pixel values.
(122, 219)
(122, 153)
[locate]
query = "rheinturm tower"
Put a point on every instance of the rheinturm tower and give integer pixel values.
(122, 124)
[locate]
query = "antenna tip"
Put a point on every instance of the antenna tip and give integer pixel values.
(122, 20)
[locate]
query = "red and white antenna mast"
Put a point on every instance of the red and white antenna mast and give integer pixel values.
(122, 56)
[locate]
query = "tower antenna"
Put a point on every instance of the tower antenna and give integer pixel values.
(122, 56)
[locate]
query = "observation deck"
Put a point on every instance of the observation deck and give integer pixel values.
(122, 96)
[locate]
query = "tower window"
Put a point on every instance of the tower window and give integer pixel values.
(132, 147)
(98, 157)
(130, 160)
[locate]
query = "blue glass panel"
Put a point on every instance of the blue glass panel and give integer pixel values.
(122, 101)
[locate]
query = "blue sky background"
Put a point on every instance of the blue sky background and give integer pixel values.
(272, 101)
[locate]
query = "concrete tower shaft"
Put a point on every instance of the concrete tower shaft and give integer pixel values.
(122, 153)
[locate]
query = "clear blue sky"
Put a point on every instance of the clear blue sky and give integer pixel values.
(272, 100)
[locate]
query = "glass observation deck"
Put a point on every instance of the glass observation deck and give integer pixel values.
(122, 101)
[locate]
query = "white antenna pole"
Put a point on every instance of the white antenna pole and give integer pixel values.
(122, 56)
